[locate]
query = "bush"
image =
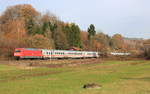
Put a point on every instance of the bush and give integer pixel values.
(147, 53)
(39, 41)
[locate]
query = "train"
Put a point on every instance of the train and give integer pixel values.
(35, 53)
(119, 54)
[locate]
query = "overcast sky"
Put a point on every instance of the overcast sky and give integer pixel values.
(131, 18)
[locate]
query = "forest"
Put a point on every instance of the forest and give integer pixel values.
(24, 26)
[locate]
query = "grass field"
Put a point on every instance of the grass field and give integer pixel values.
(116, 77)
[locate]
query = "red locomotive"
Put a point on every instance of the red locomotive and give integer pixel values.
(21, 53)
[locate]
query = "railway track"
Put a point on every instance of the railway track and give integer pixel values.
(50, 63)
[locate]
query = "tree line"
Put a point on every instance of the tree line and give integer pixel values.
(24, 26)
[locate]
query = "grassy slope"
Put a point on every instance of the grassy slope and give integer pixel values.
(116, 77)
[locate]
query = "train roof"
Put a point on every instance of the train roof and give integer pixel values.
(33, 49)
(67, 50)
(28, 49)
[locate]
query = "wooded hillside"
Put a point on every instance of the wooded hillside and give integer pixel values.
(24, 26)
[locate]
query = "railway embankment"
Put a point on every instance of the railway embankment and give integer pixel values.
(50, 63)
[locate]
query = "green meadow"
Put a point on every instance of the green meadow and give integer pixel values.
(115, 77)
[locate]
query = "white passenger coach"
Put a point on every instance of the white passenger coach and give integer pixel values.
(69, 54)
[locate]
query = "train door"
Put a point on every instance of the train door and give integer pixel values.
(47, 54)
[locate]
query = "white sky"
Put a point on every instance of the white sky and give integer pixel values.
(131, 18)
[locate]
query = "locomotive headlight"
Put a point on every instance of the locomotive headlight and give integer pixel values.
(17, 54)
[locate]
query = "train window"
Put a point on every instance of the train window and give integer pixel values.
(47, 53)
(17, 51)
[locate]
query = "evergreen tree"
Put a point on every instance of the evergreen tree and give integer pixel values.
(72, 32)
(30, 26)
(76, 41)
(91, 31)
(60, 40)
